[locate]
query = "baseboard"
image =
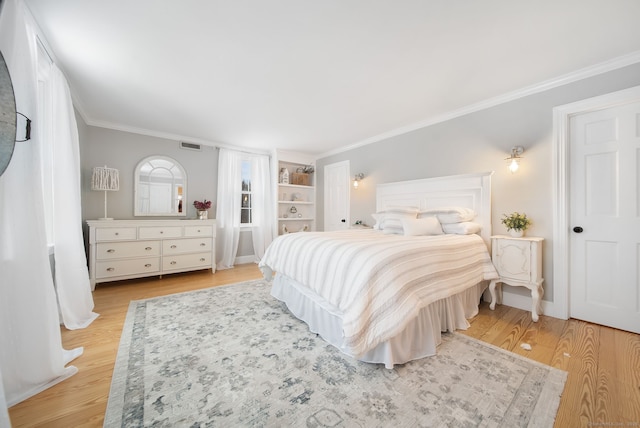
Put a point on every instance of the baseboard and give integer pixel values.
(524, 302)
(241, 260)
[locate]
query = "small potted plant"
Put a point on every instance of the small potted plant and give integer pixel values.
(516, 223)
(202, 207)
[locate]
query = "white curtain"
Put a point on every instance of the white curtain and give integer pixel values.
(263, 204)
(228, 207)
(71, 273)
(31, 353)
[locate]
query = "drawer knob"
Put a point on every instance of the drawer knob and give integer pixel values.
(147, 248)
(173, 262)
(161, 232)
(110, 269)
(117, 233)
(202, 259)
(111, 250)
(173, 246)
(198, 230)
(202, 244)
(147, 265)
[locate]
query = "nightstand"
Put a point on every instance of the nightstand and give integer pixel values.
(519, 263)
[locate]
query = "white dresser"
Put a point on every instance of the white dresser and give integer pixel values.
(125, 249)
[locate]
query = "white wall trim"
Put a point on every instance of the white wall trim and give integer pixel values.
(241, 260)
(560, 307)
(575, 76)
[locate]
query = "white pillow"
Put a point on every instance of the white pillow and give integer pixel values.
(391, 218)
(377, 217)
(421, 226)
(393, 231)
(448, 215)
(463, 228)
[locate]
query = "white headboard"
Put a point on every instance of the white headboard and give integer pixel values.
(467, 190)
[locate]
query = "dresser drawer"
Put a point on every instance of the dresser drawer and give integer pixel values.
(112, 268)
(186, 261)
(198, 231)
(119, 250)
(181, 246)
(115, 233)
(160, 232)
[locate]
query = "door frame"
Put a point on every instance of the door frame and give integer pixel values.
(561, 227)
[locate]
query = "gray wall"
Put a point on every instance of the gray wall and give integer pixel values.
(479, 142)
(123, 151)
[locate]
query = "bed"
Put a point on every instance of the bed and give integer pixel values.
(379, 295)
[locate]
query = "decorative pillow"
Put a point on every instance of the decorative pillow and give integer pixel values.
(463, 228)
(421, 226)
(377, 217)
(393, 231)
(391, 218)
(448, 215)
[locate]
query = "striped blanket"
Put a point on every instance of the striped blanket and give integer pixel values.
(379, 282)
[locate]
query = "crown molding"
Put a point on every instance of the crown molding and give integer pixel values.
(583, 73)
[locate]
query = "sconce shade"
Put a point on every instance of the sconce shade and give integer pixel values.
(356, 179)
(513, 161)
(107, 180)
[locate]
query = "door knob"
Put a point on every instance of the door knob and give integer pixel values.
(343, 221)
(578, 229)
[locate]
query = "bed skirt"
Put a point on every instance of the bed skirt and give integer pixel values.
(418, 340)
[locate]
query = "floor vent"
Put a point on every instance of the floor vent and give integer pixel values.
(190, 146)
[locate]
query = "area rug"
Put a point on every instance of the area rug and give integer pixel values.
(233, 356)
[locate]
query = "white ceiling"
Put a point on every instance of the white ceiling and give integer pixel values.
(315, 76)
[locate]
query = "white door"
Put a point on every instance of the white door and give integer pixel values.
(605, 217)
(336, 196)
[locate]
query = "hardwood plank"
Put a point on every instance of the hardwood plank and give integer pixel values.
(603, 386)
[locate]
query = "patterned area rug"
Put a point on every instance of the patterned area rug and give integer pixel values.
(234, 356)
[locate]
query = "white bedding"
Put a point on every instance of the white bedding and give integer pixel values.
(378, 283)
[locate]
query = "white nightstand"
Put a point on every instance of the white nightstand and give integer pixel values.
(519, 263)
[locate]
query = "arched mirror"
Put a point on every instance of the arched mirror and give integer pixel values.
(161, 187)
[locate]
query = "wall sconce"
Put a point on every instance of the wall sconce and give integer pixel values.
(513, 161)
(356, 179)
(107, 180)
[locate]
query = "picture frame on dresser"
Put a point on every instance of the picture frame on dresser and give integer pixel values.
(127, 249)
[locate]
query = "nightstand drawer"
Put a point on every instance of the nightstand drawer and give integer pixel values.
(513, 259)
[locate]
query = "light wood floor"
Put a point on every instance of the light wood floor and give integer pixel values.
(603, 386)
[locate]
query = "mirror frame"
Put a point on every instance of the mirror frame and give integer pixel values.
(8, 118)
(137, 209)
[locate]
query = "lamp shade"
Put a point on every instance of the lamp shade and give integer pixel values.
(104, 178)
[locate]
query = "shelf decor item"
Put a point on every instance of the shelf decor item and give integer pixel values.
(202, 207)
(516, 223)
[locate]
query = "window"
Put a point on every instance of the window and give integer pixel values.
(245, 207)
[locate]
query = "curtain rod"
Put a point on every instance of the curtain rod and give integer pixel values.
(243, 151)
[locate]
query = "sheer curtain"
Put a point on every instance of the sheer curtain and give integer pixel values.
(31, 353)
(263, 204)
(228, 208)
(71, 273)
